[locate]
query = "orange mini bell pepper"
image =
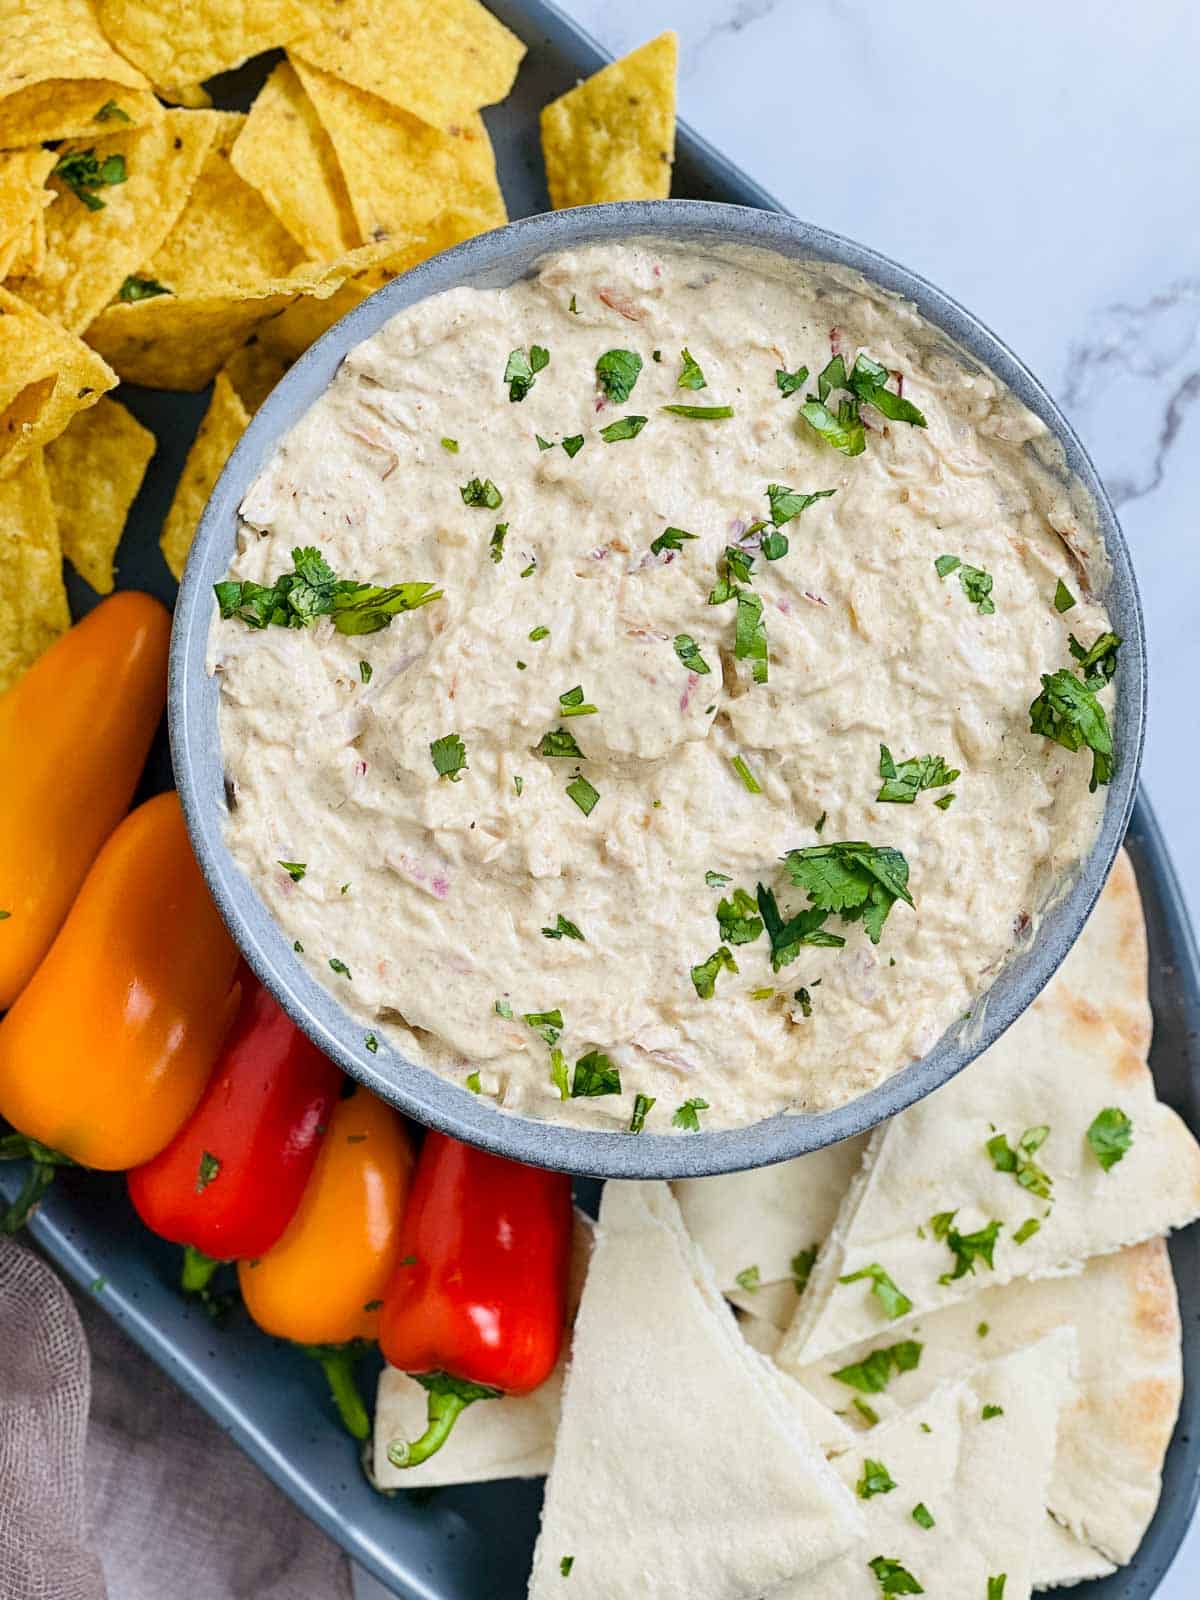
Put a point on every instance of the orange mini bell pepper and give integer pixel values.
(323, 1283)
(109, 1045)
(74, 732)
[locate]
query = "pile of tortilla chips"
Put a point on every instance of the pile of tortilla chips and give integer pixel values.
(149, 239)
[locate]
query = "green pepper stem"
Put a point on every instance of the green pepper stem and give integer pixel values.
(39, 1179)
(337, 1362)
(449, 1397)
(197, 1270)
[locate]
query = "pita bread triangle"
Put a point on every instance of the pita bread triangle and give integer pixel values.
(954, 1455)
(679, 1467)
(1107, 968)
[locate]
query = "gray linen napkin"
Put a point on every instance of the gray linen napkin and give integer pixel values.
(148, 1496)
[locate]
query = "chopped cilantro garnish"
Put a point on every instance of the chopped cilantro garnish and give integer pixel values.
(574, 705)
(688, 652)
(1068, 712)
(365, 671)
(865, 384)
(538, 633)
(209, 1168)
(687, 1116)
(804, 1000)
(623, 428)
(983, 1330)
(480, 493)
(876, 1479)
(1101, 655)
(567, 1562)
(1028, 1228)
(749, 781)
(298, 947)
(573, 444)
(546, 1024)
(670, 539)
(594, 1075)
(340, 967)
(843, 430)
(583, 794)
(617, 373)
(691, 377)
(563, 929)
(449, 756)
(903, 783)
(642, 1105)
(1020, 1161)
(1110, 1136)
(788, 382)
(83, 174)
(294, 869)
(371, 1042)
(473, 1083)
(496, 544)
(573, 307)
(135, 288)
(518, 780)
(451, 445)
(750, 634)
(503, 1009)
(894, 1578)
(787, 503)
(873, 1374)
(990, 1411)
(717, 880)
(700, 413)
(995, 1589)
(966, 1248)
(561, 744)
(110, 111)
(749, 1279)
(806, 927)
(976, 583)
(314, 590)
(737, 919)
(819, 824)
(893, 1300)
(521, 370)
(921, 1515)
(868, 1413)
(857, 880)
(946, 801)
(801, 1267)
(704, 976)
(558, 1074)
(1064, 600)
(544, 444)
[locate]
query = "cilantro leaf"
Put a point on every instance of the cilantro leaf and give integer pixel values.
(947, 564)
(521, 370)
(787, 503)
(873, 1374)
(450, 444)
(83, 174)
(855, 879)
(312, 590)
(294, 869)
(546, 1024)
(700, 413)
(477, 493)
(572, 703)
(921, 1515)
(449, 756)
(894, 1578)
(563, 929)
(1020, 1161)
(594, 1075)
(749, 782)
(623, 428)
(876, 1479)
(801, 1267)
(966, 1248)
(209, 1168)
(573, 444)
(584, 795)
(737, 920)
(704, 976)
(135, 288)
(642, 1106)
(691, 377)
(617, 373)
(688, 652)
(1102, 655)
(558, 1074)
(717, 880)
(687, 1116)
(844, 431)
(903, 783)
(976, 583)
(340, 967)
(1068, 712)
(1110, 1136)
(788, 382)
(1026, 1231)
(893, 1300)
(995, 1588)
(359, 608)
(806, 927)
(1064, 600)
(496, 544)
(559, 744)
(750, 634)
(867, 382)
(670, 539)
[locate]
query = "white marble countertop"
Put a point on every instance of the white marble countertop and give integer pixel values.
(1038, 163)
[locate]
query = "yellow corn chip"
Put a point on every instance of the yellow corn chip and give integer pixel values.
(180, 341)
(60, 77)
(612, 137)
(176, 43)
(224, 423)
(400, 172)
(225, 233)
(307, 318)
(437, 59)
(33, 600)
(285, 153)
(90, 253)
(95, 470)
(254, 370)
(46, 376)
(23, 198)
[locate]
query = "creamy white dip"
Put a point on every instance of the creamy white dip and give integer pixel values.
(433, 893)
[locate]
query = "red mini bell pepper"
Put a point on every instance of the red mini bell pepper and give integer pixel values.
(230, 1180)
(478, 1301)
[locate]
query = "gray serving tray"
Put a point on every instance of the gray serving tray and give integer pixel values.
(475, 1543)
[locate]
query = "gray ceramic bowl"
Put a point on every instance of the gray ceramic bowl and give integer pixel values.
(490, 261)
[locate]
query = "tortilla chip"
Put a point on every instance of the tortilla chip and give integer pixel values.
(307, 318)
(612, 137)
(254, 371)
(400, 172)
(23, 200)
(46, 376)
(177, 44)
(58, 71)
(95, 470)
(224, 423)
(225, 233)
(284, 152)
(439, 60)
(33, 601)
(89, 254)
(181, 341)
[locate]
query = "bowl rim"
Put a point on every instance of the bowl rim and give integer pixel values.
(422, 1093)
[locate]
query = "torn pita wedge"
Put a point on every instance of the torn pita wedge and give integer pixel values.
(1107, 971)
(512, 1437)
(932, 1219)
(760, 1227)
(975, 1456)
(677, 1453)
(1060, 1560)
(1112, 1439)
